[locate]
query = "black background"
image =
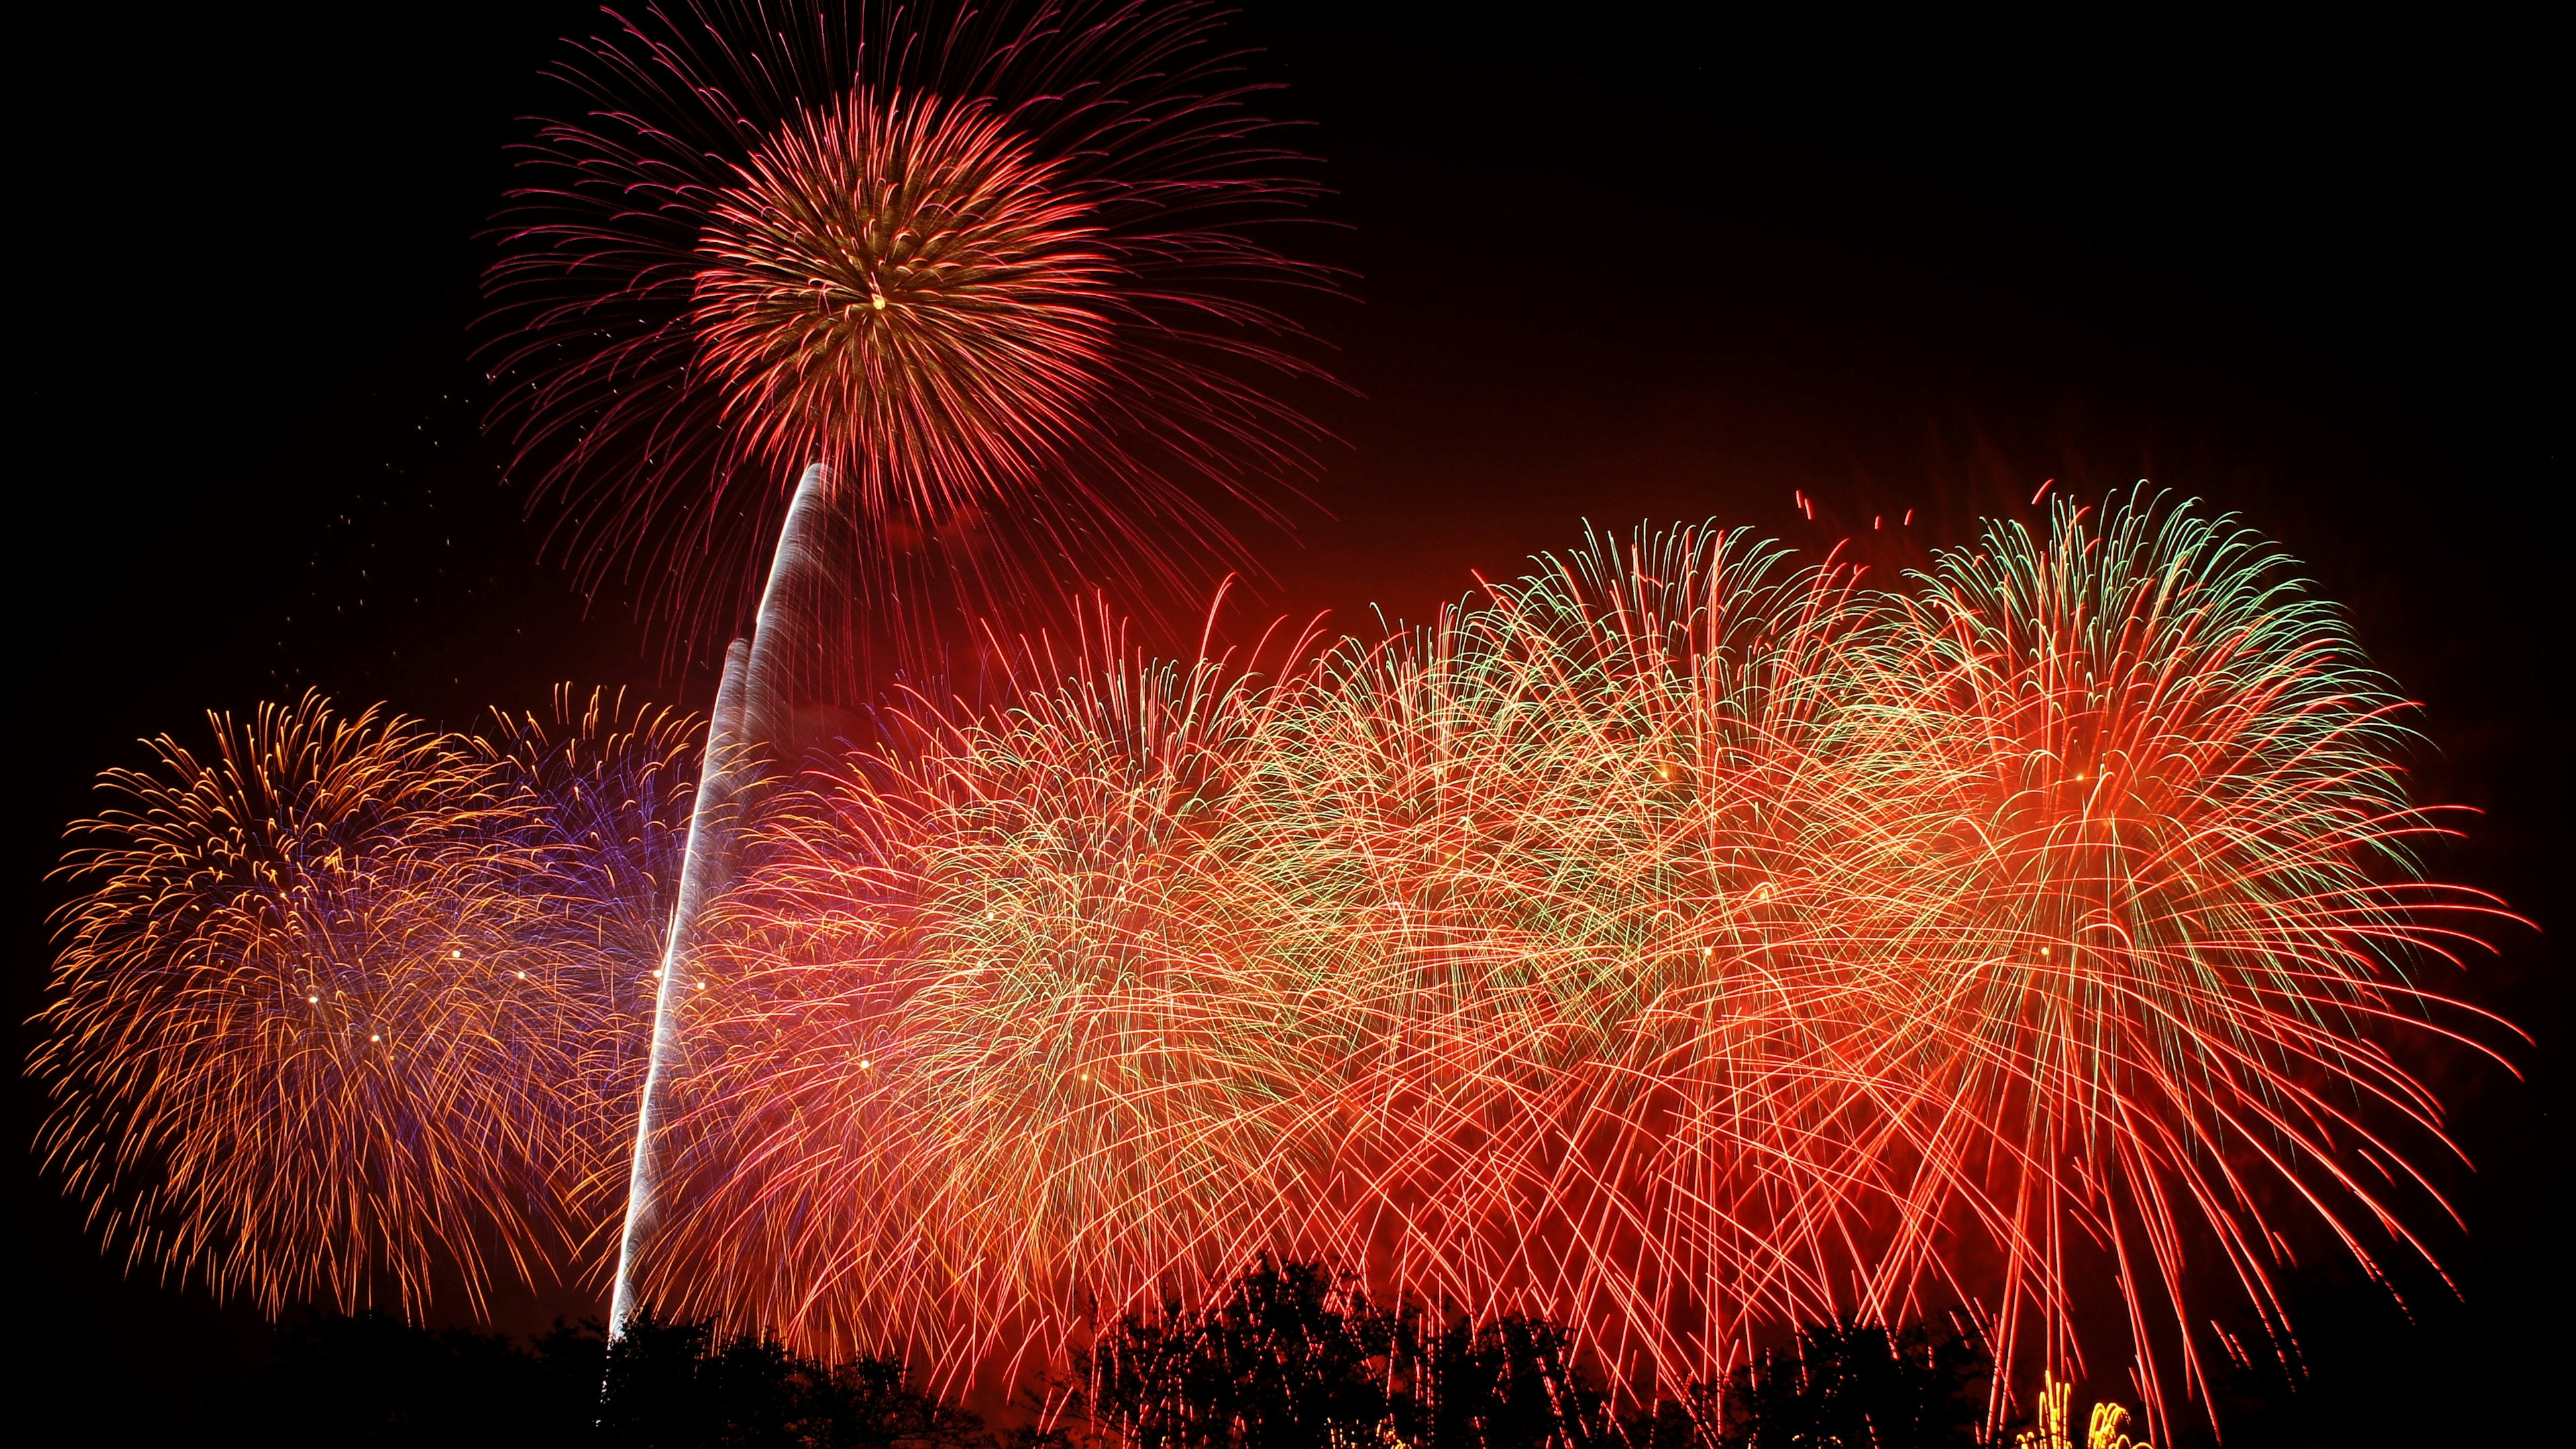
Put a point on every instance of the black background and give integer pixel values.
(1611, 266)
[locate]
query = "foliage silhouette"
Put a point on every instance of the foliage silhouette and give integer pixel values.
(1296, 1356)
(1512, 1383)
(374, 1382)
(1291, 1357)
(1851, 1385)
(1288, 1356)
(680, 1386)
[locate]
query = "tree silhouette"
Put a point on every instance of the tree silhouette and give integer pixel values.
(1296, 1356)
(1291, 1357)
(376, 1382)
(1853, 1385)
(681, 1386)
(1288, 1356)
(1511, 1383)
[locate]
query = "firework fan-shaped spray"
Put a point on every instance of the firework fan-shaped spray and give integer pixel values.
(1673, 941)
(1556, 859)
(2141, 928)
(977, 1049)
(1722, 952)
(292, 1044)
(998, 270)
(349, 1005)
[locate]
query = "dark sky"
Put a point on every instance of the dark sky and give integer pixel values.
(1611, 267)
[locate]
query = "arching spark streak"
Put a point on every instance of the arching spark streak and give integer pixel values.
(701, 867)
(748, 721)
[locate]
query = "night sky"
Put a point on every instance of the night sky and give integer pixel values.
(1608, 267)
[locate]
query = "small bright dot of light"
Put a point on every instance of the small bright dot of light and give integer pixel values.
(456, 955)
(316, 1000)
(372, 1037)
(523, 975)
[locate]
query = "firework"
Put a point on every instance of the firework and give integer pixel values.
(967, 1012)
(997, 269)
(2090, 878)
(979, 283)
(2139, 922)
(342, 1005)
(1677, 942)
(1551, 863)
(609, 788)
(1680, 942)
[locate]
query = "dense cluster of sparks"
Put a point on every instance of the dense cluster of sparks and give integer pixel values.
(349, 1003)
(1678, 941)
(999, 269)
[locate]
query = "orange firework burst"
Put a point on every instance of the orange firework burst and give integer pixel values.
(327, 1017)
(1676, 942)
(970, 1015)
(998, 270)
(898, 290)
(2142, 889)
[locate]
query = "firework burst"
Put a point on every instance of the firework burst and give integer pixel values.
(1677, 941)
(336, 1013)
(969, 1012)
(2145, 893)
(998, 270)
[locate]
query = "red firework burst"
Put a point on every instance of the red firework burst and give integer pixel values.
(997, 270)
(1674, 942)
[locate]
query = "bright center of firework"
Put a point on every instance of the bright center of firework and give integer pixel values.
(896, 287)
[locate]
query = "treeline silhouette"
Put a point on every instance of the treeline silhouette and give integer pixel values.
(372, 1380)
(1294, 1356)
(1288, 1356)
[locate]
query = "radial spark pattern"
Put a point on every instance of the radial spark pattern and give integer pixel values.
(346, 1003)
(1001, 269)
(968, 1012)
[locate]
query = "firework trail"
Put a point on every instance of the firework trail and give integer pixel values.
(1000, 270)
(706, 863)
(345, 1001)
